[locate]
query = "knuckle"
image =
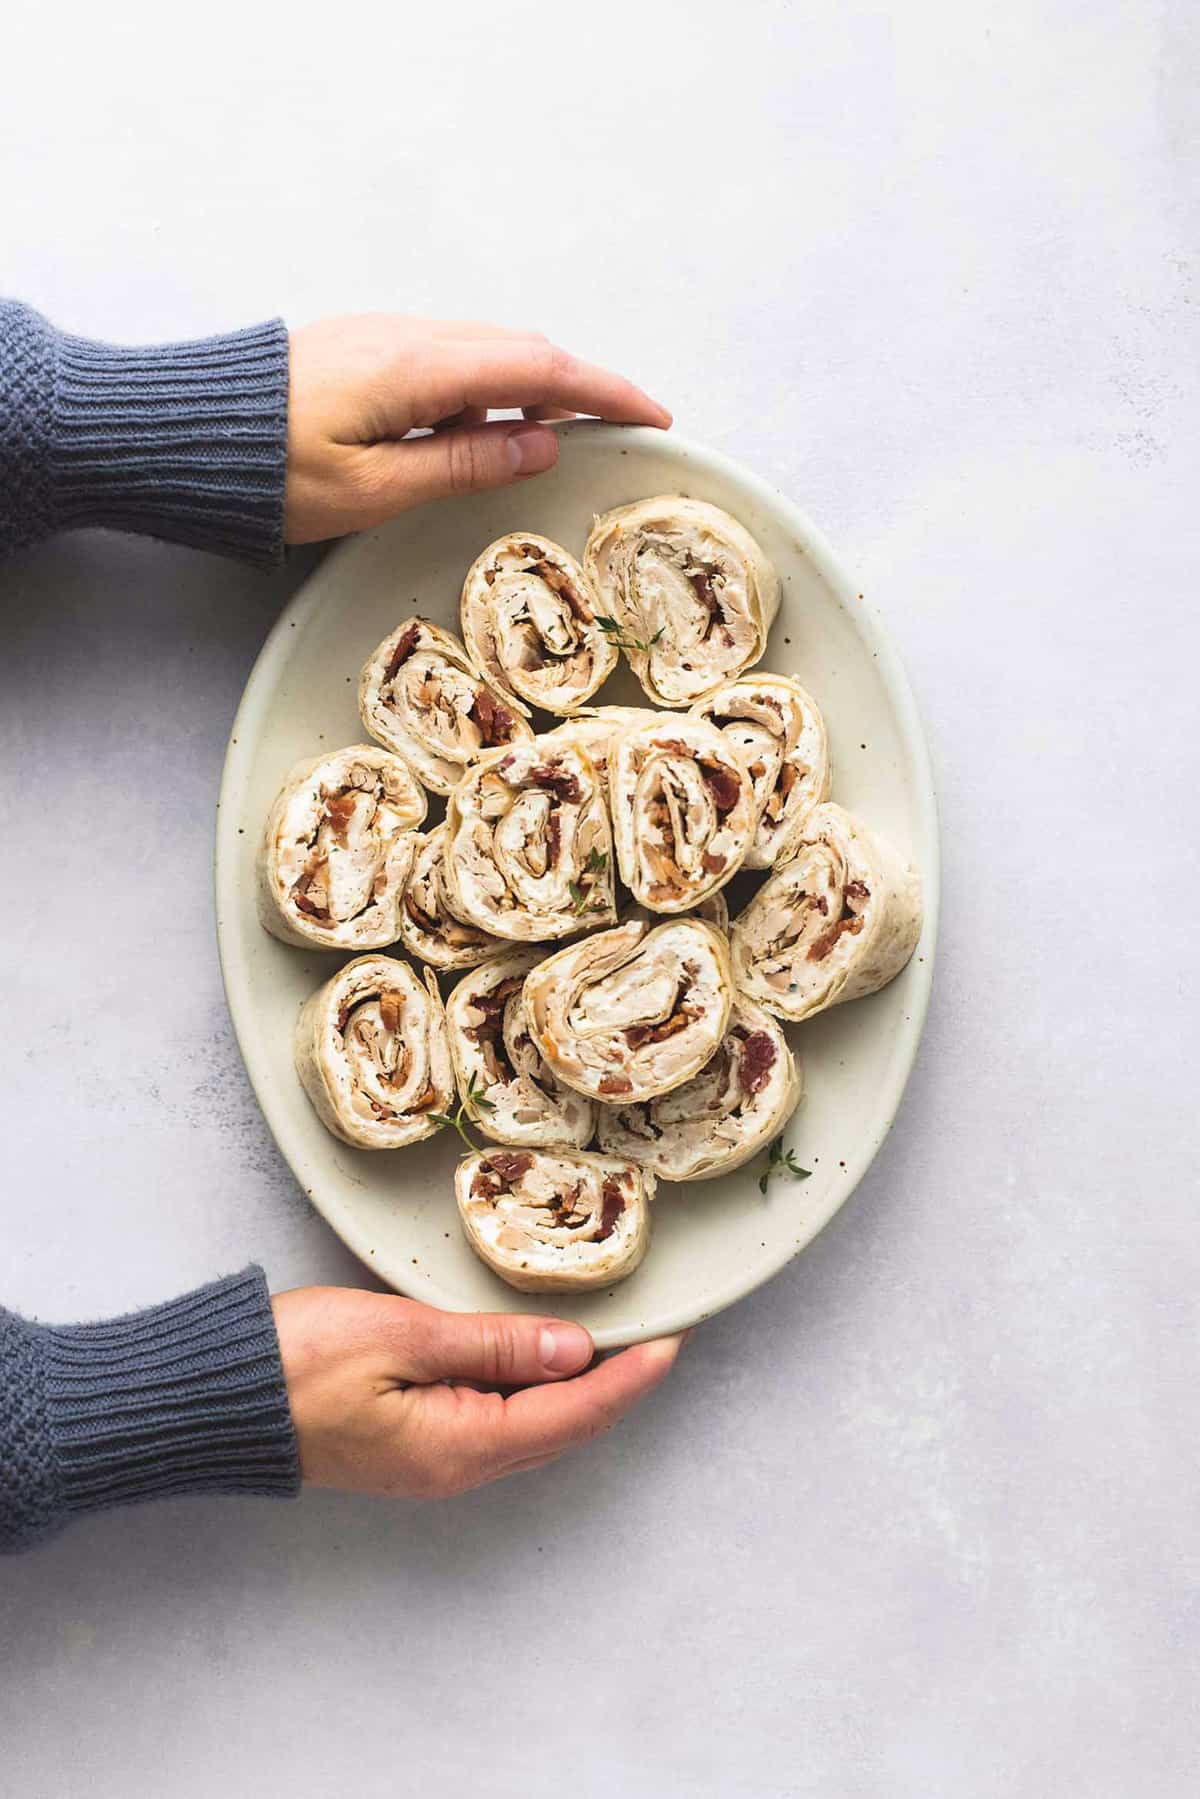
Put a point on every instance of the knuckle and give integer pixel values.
(368, 478)
(556, 363)
(597, 1424)
(497, 1350)
(467, 462)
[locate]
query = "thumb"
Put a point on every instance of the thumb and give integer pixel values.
(503, 1349)
(465, 459)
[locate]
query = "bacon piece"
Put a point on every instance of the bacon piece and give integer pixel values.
(702, 585)
(759, 1055)
(418, 916)
(305, 905)
(722, 783)
(557, 582)
(678, 1021)
(495, 1001)
(712, 865)
(561, 783)
(553, 838)
(405, 646)
(613, 1205)
(509, 1165)
(340, 810)
(615, 1083)
(638, 1034)
(826, 941)
(857, 890)
(391, 1010)
(495, 722)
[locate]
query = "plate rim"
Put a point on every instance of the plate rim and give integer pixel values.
(871, 629)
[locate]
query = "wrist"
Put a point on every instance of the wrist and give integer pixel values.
(181, 441)
(185, 1397)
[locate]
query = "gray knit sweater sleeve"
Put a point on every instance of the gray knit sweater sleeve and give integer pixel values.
(187, 1397)
(183, 441)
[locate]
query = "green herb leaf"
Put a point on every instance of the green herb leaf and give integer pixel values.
(457, 1121)
(582, 896)
(780, 1160)
(615, 633)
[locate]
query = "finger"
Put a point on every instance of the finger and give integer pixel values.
(477, 331)
(513, 373)
(467, 460)
(541, 1422)
(503, 1349)
(454, 330)
(548, 412)
(470, 415)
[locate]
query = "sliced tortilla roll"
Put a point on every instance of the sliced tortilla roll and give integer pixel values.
(555, 1220)
(777, 730)
(683, 811)
(420, 695)
(737, 1104)
(337, 849)
(837, 921)
(506, 1088)
(690, 593)
(529, 624)
(529, 851)
(596, 730)
(428, 928)
(372, 1053)
(631, 1013)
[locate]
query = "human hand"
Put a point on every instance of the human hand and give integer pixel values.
(372, 1383)
(359, 385)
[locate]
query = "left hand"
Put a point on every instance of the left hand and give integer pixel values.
(358, 386)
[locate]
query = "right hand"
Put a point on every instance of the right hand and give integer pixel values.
(372, 1383)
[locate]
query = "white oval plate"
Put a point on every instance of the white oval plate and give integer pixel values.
(714, 1241)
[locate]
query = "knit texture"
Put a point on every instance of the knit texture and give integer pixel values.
(183, 441)
(187, 1397)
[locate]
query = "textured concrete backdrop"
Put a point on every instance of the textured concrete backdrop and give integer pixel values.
(920, 1518)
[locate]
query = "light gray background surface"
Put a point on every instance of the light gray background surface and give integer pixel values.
(919, 1519)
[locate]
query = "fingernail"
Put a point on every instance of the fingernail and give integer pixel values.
(665, 1349)
(563, 1347)
(531, 449)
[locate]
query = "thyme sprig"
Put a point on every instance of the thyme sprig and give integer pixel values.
(472, 1102)
(581, 896)
(615, 633)
(781, 1161)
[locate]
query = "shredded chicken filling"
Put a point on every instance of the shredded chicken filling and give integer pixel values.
(535, 841)
(547, 1200)
(348, 849)
(806, 919)
(387, 1055)
(679, 806)
(535, 619)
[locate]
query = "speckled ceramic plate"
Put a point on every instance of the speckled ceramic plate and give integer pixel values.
(714, 1241)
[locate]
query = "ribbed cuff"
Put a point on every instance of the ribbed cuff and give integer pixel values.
(187, 1397)
(182, 441)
